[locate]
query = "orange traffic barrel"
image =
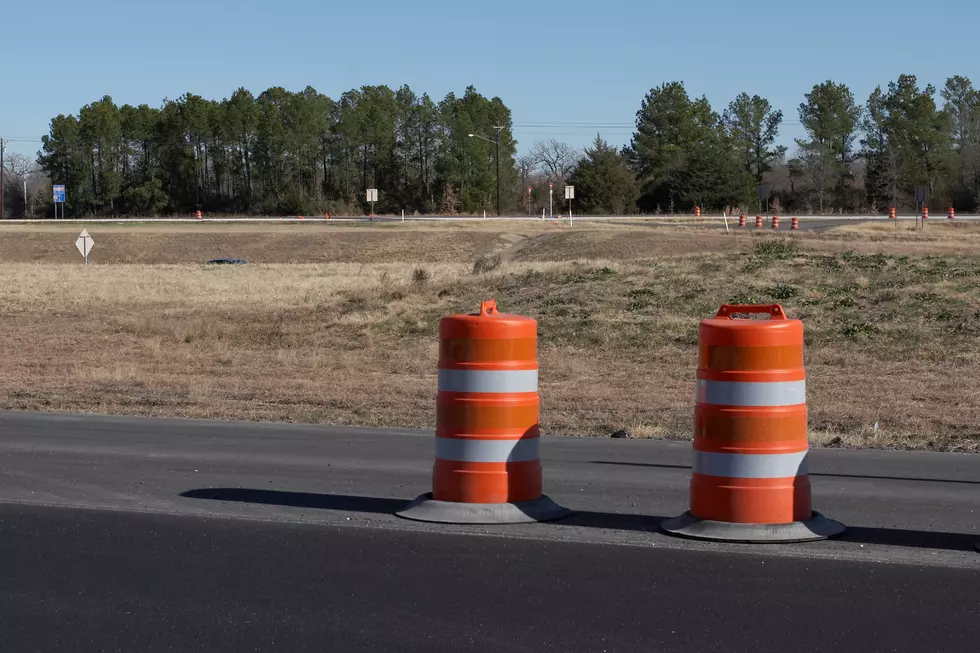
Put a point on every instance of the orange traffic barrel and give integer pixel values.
(198, 215)
(487, 462)
(795, 224)
(758, 222)
(750, 480)
(775, 222)
(326, 215)
(891, 214)
(925, 212)
(741, 220)
(952, 214)
(697, 211)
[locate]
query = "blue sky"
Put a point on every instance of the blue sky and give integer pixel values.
(553, 63)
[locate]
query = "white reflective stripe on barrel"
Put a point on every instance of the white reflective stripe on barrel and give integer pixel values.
(740, 465)
(741, 393)
(488, 380)
(471, 450)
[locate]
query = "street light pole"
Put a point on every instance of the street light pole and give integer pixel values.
(495, 142)
(498, 170)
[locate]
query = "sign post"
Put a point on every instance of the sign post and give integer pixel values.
(921, 194)
(551, 200)
(372, 197)
(569, 195)
(84, 244)
(529, 201)
(59, 196)
(764, 190)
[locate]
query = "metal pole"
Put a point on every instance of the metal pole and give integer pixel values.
(551, 202)
(498, 172)
(27, 208)
(3, 148)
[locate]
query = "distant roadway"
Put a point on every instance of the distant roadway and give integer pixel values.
(131, 534)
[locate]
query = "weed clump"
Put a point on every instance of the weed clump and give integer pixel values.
(486, 263)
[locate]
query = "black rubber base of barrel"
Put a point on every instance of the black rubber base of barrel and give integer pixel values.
(427, 509)
(816, 528)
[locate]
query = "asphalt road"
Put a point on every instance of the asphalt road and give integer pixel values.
(79, 580)
(124, 534)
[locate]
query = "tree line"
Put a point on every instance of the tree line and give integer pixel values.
(304, 153)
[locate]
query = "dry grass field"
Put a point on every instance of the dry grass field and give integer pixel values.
(333, 324)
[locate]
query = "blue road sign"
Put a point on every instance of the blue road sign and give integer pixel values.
(59, 193)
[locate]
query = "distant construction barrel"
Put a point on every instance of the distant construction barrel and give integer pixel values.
(891, 214)
(487, 463)
(750, 480)
(925, 212)
(775, 222)
(795, 225)
(697, 211)
(952, 214)
(758, 222)
(741, 220)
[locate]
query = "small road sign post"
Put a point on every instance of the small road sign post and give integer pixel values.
(59, 195)
(372, 197)
(569, 196)
(84, 244)
(921, 195)
(551, 201)
(764, 190)
(529, 201)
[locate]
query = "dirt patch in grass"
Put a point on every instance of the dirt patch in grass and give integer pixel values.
(892, 339)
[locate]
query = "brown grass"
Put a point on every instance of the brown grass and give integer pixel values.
(892, 339)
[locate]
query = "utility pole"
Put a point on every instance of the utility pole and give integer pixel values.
(499, 129)
(3, 148)
(496, 142)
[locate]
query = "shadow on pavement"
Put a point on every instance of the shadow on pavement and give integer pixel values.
(380, 505)
(582, 518)
(823, 475)
(909, 538)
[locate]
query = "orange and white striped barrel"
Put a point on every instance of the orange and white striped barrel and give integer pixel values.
(775, 222)
(741, 220)
(487, 461)
(697, 211)
(891, 214)
(795, 226)
(758, 222)
(952, 214)
(198, 215)
(925, 212)
(750, 479)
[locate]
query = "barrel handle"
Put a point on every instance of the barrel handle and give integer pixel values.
(775, 311)
(489, 307)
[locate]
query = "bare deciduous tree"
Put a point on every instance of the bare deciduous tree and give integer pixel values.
(556, 159)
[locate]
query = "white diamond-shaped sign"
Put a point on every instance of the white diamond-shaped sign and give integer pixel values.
(84, 243)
